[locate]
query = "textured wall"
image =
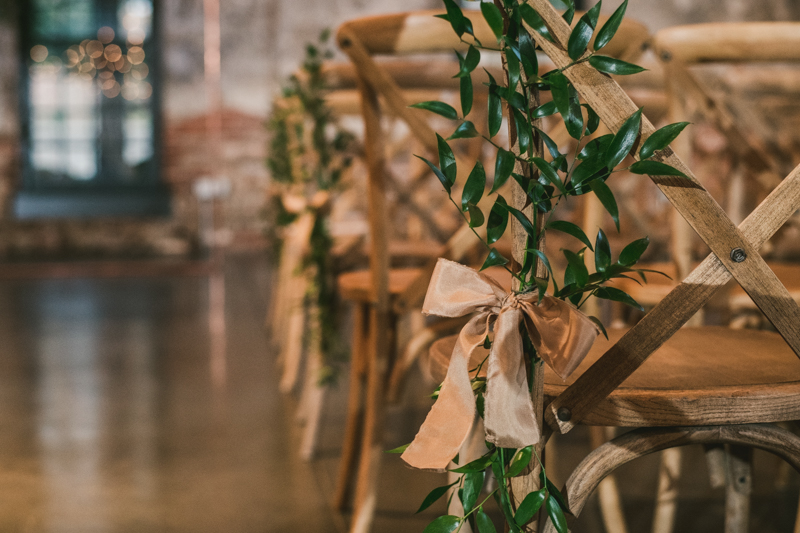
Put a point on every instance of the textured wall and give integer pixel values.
(262, 42)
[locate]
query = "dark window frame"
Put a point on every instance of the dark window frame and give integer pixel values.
(106, 195)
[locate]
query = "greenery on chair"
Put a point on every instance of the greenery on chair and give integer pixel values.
(549, 180)
(308, 153)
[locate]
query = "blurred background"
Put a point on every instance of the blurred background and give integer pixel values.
(139, 242)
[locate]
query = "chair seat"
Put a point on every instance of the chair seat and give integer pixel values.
(356, 285)
(657, 287)
(701, 376)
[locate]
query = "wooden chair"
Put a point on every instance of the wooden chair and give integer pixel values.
(693, 385)
(383, 294)
(681, 48)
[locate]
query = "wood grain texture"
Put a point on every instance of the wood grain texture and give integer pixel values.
(700, 376)
(730, 41)
(705, 216)
(638, 443)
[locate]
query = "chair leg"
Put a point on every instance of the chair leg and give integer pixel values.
(292, 354)
(378, 356)
(355, 408)
(640, 442)
(315, 398)
(667, 496)
(738, 488)
(608, 491)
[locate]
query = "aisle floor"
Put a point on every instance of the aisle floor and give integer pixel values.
(148, 405)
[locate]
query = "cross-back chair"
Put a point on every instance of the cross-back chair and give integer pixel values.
(384, 294)
(684, 385)
(680, 49)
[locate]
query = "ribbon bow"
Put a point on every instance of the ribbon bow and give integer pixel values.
(561, 334)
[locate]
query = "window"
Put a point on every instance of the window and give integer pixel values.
(89, 119)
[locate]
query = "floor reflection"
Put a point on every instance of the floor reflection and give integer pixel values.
(146, 405)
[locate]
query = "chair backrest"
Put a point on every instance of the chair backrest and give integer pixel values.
(734, 250)
(415, 33)
(682, 47)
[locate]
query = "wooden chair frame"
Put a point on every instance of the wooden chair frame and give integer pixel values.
(734, 256)
(403, 33)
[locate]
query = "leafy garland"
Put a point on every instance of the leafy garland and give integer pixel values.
(308, 153)
(546, 183)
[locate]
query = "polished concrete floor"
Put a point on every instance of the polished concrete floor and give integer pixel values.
(151, 405)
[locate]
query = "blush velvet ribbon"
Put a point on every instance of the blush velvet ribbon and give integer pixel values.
(561, 334)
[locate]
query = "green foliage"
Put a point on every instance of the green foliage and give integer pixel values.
(548, 179)
(308, 152)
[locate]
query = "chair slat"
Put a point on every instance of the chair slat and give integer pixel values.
(707, 218)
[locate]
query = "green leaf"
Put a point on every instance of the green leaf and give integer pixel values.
(554, 492)
(494, 107)
(527, 51)
(472, 59)
(592, 121)
(532, 19)
(544, 110)
(399, 449)
(578, 266)
(465, 131)
(543, 259)
(616, 295)
(475, 216)
(550, 174)
(483, 522)
(630, 255)
(599, 325)
(611, 65)
(494, 258)
(439, 174)
(573, 120)
(559, 88)
(556, 515)
(602, 252)
(611, 26)
(456, 18)
(529, 506)
(465, 87)
(654, 168)
(570, 229)
(493, 18)
(523, 220)
(517, 101)
(503, 167)
(661, 138)
(447, 161)
(523, 131)
(512, 63)
(473, 482)
(478, 465)
(596, 146)
(606, 198)
(440, 108)
(623, 140)
(588, 168)
(582, 33)
(551, 145)
(444, 524)
(434, 495)
(498, 220)
(474, 187)
(520, 460)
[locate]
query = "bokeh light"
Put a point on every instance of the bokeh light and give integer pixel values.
(39, 53)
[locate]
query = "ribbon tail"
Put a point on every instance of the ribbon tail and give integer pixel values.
(509, 416)
(449, 421)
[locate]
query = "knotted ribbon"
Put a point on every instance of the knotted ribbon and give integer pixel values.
(561, 334)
